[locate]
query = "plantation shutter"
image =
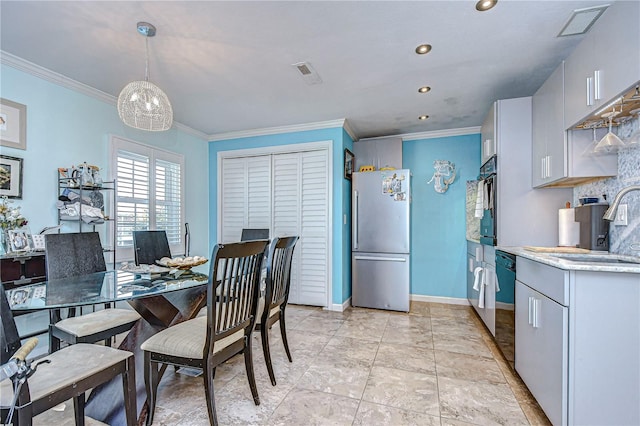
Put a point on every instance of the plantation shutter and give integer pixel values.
(149, 196)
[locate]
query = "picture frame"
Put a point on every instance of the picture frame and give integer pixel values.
(11, 176)
(13, 124)
(349, 162)
(19, 239)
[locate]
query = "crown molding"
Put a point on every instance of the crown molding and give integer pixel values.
(282, 129)
(23, 65)
(440, 133)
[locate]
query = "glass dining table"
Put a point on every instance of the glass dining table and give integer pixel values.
(161, 299)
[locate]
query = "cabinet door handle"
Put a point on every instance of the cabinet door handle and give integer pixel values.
(536, 313)
(355, 219)
(531, 305)
(548, 173)
(596, 85)
(589, 94)
(543, 167)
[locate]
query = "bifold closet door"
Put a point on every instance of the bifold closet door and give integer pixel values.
(289, 194)
(246, 195)
(300, 207)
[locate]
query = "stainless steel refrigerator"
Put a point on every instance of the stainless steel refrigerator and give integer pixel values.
(381, 239)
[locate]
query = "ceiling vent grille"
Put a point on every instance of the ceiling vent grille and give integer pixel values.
(308, 73)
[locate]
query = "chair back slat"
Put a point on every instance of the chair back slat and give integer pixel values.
(73, 254)
(149, 246)
(234, 287)
(279, 271)
(9, 340)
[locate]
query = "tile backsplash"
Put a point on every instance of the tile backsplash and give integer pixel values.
(623, 239)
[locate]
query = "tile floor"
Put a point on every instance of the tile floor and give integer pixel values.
(434, 366)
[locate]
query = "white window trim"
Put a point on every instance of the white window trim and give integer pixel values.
(116, 143)
(283, 149)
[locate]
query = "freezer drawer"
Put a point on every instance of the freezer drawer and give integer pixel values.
(381, 281)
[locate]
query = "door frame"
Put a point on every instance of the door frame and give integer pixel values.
(288, 149)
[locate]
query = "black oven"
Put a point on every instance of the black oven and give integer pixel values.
(489, 223)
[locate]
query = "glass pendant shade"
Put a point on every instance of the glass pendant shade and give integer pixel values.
(144, 106)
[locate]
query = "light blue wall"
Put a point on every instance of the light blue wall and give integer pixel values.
(65, 128)
(438, 237)
(341, 189)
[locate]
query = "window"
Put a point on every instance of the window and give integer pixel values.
(149, 194)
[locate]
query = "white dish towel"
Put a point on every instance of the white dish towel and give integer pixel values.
(479, 211)
(478, 284)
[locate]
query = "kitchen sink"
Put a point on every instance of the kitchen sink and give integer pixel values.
(598, 258)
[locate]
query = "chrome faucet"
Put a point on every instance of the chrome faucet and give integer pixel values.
(610, 214)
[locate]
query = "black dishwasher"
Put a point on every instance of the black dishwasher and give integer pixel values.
(505, 306)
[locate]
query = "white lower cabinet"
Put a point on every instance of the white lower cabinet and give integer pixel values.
(578, 343)
(541, 350)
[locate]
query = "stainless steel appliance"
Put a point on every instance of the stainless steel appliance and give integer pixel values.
(505, 304)
(594, 229)
(489, 222)
(381, 239)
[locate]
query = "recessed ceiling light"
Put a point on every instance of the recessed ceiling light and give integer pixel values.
(423, 48)
(581, 20)
(424, 89)
(483, 5)
(423, 117)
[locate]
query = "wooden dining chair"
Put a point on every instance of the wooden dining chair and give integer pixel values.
(149, 246)
(271, 307)
(65, 374)
(225, 331)
(72, 255)
(249, 234)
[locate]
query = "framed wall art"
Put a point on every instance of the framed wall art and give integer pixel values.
(11, 176)
(19, 239)
(13, 124)
(349, 160)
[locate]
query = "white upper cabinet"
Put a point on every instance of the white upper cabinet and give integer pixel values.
(605, 64)
(488, 133)
(549, 140)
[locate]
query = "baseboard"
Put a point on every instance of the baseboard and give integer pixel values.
(337, 307)
(505, 306)
(439, 299)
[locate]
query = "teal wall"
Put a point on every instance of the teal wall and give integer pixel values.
(341, 275)
(438, 221)
(65, 127)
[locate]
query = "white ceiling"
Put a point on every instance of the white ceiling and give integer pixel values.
(227, 66)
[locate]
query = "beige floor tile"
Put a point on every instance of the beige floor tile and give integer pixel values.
(468, 367)
(346, 377)
(317, 325)
(479, 403)
(340, 347)
(468, 344)
(403, 389)
(363, 329)
(409, 336)
(370, 414)
(408, 358)
(307, 407)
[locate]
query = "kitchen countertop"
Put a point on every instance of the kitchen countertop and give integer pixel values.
(549, 256)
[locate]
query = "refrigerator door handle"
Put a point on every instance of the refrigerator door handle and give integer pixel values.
(385, 259)
(355, 220)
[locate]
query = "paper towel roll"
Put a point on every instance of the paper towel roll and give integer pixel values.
(568, 228)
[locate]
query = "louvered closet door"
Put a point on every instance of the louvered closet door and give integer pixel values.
(300, 207)
(246, 195)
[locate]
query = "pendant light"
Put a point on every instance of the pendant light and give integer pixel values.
(141, 104)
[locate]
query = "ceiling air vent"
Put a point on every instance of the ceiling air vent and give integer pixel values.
(309, 75)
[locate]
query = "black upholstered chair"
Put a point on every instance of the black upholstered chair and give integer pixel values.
(69, 373)
(225, 331)
(272, 307)
(149, 246)
(249, 234)
(76, 254)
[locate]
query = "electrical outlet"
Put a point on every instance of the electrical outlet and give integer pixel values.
(621, 216)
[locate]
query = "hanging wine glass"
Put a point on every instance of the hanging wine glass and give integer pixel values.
(610, 143)
(590, 150)
(634, 138)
